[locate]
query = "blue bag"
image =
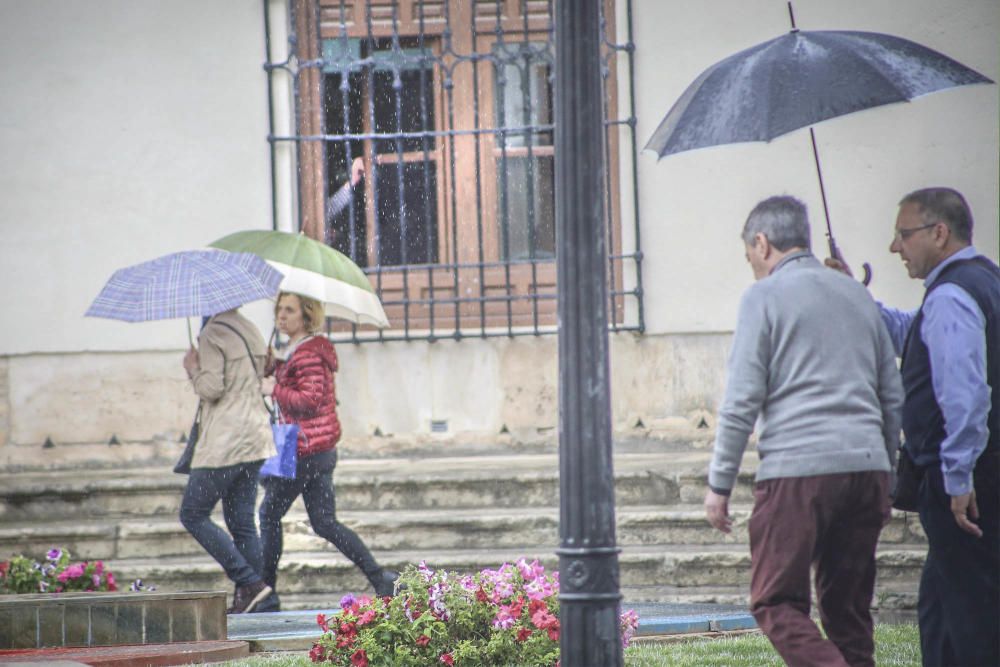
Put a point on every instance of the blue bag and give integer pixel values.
(286, 441)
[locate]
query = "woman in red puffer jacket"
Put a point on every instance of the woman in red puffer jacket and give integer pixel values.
(303, 388)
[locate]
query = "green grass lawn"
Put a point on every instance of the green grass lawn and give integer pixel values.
(895, 646)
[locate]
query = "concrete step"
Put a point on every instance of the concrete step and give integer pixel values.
(366, 484)
(688, 568)
(395, 530)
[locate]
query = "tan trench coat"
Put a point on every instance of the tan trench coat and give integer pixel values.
(234, 422)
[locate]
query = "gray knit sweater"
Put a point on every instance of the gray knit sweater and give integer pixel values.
(812, 359)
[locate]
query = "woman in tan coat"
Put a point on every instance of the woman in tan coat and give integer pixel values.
(234, 440)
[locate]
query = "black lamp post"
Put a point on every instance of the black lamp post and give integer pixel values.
(588, 558)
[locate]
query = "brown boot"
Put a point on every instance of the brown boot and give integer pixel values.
(248, 596)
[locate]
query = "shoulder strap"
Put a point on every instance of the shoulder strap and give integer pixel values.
(270, 411)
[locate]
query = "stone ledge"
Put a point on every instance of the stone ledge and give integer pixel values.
(185, 653)
(110, 619)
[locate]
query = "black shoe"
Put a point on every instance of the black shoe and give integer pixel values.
(385, 583)
(248, 596)
(269, 604)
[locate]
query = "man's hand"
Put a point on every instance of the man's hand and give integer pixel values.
(964, 508)
(839, 265)
(357, 171)
(717, 511)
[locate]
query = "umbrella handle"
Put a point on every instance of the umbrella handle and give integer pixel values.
(867, 268)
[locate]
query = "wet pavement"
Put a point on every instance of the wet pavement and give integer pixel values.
(296, 630)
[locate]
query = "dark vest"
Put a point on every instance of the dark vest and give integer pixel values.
(923, 423)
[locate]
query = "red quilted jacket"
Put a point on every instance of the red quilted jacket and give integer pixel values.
(306, 394)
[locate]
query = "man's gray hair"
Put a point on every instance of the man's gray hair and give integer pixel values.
(943, 205)
(782, 220)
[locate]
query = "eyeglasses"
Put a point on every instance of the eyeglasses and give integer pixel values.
(903, 234)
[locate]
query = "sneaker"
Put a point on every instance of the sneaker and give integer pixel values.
(248, 596)
(269, 604)
(385, 583)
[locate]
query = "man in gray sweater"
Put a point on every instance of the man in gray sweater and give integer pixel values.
(812, 360)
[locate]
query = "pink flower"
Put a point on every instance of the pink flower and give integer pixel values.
(544, 620)
(99, 568)
(71, 572)
(321, 622)
(447, 659)
(423, 640)
(359, 658)
(523, 634)
(629, 624)
(366, 617)
(111, 582)
(96, 579)
(530, 572)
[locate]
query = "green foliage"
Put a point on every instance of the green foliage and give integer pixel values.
(508, 616)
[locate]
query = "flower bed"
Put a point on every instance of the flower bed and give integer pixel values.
(57, 574)
(495, 617)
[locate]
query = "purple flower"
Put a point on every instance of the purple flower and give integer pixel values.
(436, 601)
(43, 586)
(347, 601)
(54, 554)
(503, 620)
(468, 584)
(629, 621)
(96, 578)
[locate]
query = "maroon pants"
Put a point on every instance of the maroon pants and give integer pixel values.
(831, 522)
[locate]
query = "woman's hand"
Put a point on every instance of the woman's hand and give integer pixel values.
(267, 386)
(191, 362)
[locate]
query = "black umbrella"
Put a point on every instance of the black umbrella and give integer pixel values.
(800, 79)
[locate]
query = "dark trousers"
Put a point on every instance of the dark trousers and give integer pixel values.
(831, 522)
(959, 603)
(236, 487)
(314, 481)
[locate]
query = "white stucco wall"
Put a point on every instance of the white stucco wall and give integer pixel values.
(693, 204)
(128, 129)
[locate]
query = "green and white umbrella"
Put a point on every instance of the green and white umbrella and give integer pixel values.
(315, 270)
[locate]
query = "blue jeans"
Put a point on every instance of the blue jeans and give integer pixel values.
(236, 487)
(314, 481)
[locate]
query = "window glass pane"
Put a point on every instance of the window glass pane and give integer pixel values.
(411, 114)
(344, 117)
(529, 224)
(523, 92)
(417, 209)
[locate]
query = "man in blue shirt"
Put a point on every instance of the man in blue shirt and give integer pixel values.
(950, 349)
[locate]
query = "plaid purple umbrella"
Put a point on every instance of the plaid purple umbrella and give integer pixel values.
(185, 284)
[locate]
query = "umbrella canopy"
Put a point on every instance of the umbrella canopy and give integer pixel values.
(185, 284)
(799, 79)
(315, 270)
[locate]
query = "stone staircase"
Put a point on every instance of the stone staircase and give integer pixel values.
(460, 508)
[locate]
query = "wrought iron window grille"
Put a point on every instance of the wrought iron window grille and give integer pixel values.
(448, 104)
